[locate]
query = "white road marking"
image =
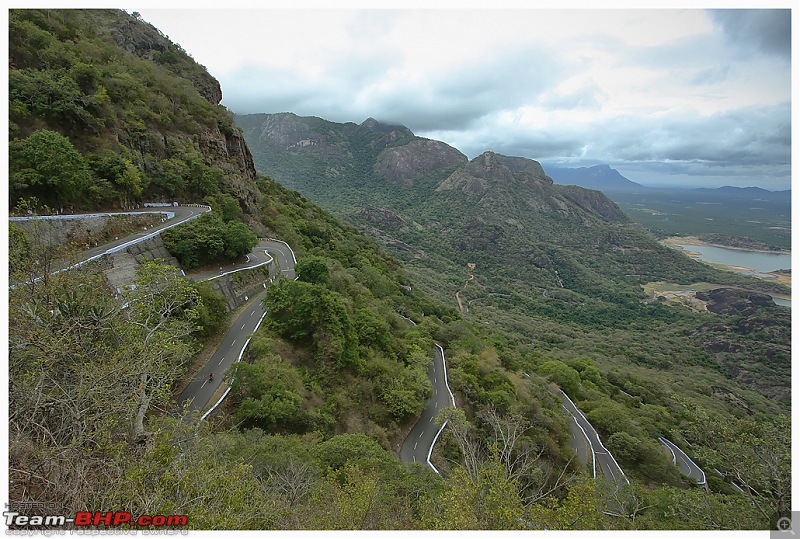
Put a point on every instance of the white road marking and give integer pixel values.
(242, 327)
(415, 445)
(234, 342)
(420, 434)
(220, 361)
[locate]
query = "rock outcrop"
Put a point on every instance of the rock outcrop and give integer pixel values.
(411, 161)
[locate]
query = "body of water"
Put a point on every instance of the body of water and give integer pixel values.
(761, 262)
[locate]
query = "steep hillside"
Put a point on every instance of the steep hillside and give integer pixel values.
(105, 111)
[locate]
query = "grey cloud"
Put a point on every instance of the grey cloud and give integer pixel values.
(754, 135)
(452, 99)
(712, 74)
(697, 60)
(752, 144)
(458, 98)
(769, 30)
(587, 97)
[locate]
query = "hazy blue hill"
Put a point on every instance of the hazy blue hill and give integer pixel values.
(747, 215)
(600, 177)
(745, 193)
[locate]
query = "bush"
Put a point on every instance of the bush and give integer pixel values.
(207, 240)
(562, 374)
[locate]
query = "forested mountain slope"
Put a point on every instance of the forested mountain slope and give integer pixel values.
(522, 244)
(123, 113)
(554, 273)
(335, 377)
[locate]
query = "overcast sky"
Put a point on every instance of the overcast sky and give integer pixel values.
(665, 96)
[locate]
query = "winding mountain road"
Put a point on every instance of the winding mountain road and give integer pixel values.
(200, 390)
(601, 457)
(418, 445)
(684, 463)
(179, 215)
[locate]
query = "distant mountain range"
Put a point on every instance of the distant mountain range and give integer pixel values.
(600, 177)
(609, 180)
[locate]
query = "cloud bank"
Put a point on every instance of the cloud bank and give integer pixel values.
(699, 93)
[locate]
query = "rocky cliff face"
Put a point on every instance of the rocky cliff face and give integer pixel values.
(228, 151)
(222, 147)
(404, 164)
(147, 42)
(502, 183)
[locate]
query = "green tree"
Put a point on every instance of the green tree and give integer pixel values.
(565, 376)
(131, 184)
(486, 501)
(753, 452)
(208, 239)
(352, 500)
(312, 314)
(346, 449)
(48, 166)
(162, 314)
(225, 206)
(625, 447)
(212, 310)
(581, 509)
(270, 394)
(313, 269)
(238, 239)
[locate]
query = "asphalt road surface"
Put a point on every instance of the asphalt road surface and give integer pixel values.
(197, 394)
(602, 457)
(182, 215)
(579, 441)
(200, 390)
(685, 464)
(419, 443)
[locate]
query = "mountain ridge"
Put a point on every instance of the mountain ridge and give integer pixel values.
(600, 177)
